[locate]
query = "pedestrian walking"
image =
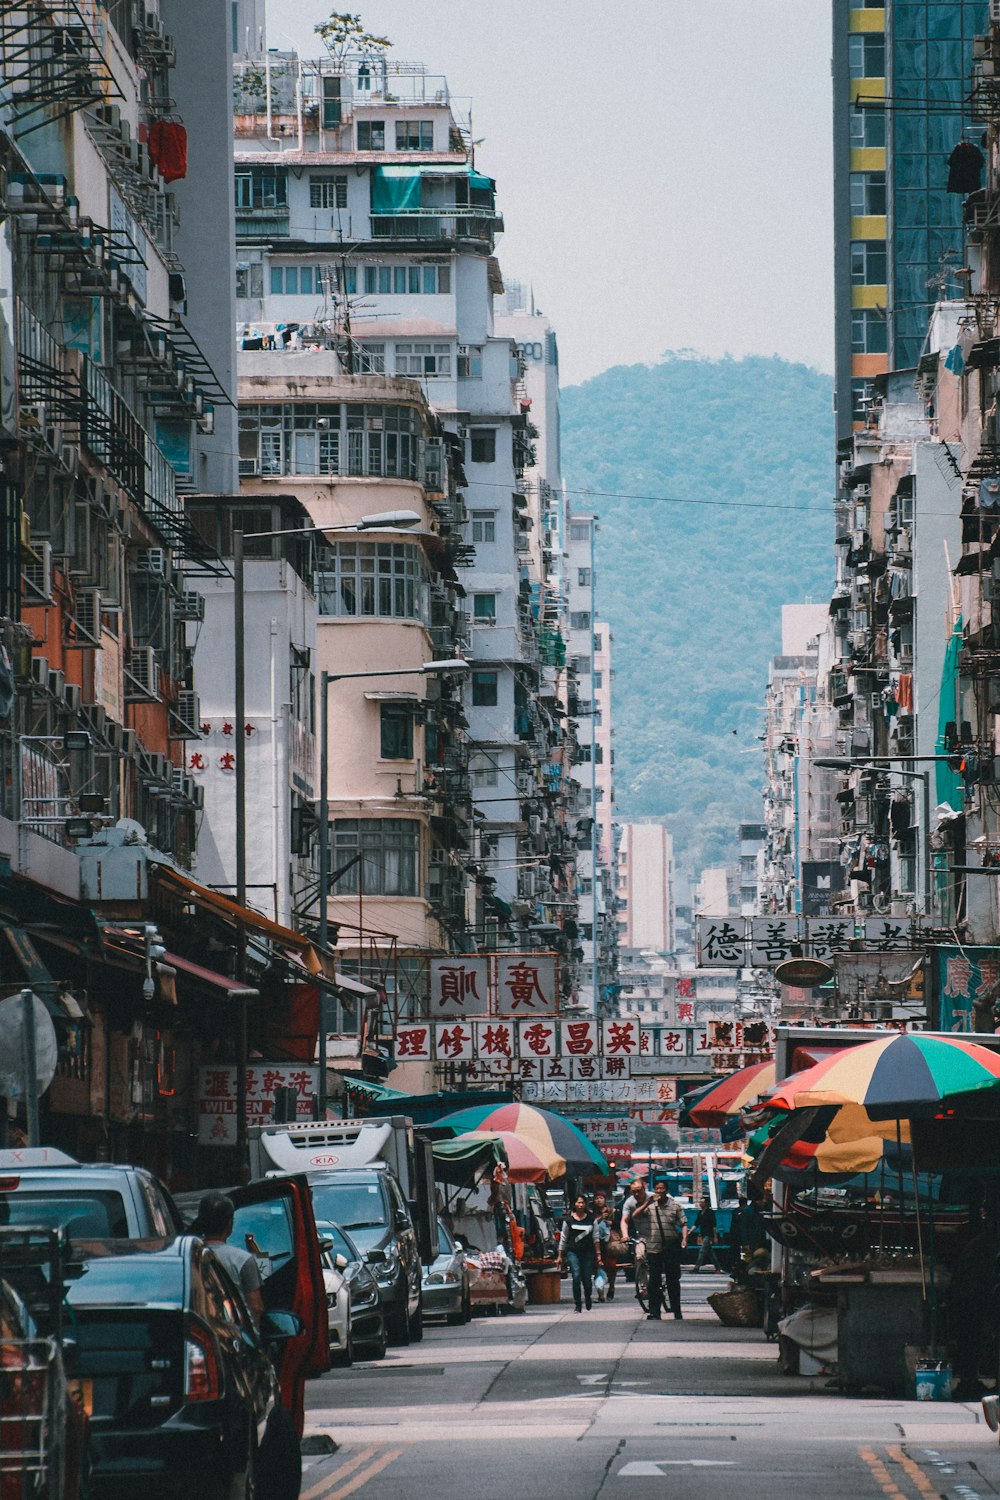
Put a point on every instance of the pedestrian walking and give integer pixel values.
(607, 1239)
(663, 1225)
(707, 1227)
(580, 1250)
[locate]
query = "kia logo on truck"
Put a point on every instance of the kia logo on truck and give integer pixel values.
(324, 1159)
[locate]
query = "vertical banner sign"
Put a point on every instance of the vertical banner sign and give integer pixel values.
(527, 984)
(965, 976)
(459, 986)
(721, 942)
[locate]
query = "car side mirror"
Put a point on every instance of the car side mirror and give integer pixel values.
(401, 1219)
(376, 1257)
(341, 1262)
(324, 1246)
(279, 1326)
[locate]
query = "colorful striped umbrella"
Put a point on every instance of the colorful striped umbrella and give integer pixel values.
(723, 1098)
(547, 1134)
(526, 1162)
(834, 1142)
(893, 1076)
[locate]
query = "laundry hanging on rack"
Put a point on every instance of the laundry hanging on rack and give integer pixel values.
(168, 149)
(965, 168)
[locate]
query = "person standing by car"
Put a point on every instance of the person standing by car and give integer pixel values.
(215, 1224)
(707, 1227)
(662, 1223)
(580, 1250)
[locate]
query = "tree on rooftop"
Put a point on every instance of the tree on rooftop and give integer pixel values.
(343, 34)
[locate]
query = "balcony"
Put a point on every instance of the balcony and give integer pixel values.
(262, 223)
(446, 223)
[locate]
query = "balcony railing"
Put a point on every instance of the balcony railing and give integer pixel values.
(116, 437)
(463, 223)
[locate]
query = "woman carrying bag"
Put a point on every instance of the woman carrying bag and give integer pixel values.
(580, 1250)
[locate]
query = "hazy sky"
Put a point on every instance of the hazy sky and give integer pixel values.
(665, 182)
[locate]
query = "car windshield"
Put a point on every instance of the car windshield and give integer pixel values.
(352, 1205)
(93, 1215)
(339, 1241)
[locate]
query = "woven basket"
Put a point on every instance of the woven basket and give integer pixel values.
(739, 1308)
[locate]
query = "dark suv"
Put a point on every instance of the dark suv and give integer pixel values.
(368, 1203)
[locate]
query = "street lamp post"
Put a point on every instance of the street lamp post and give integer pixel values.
(386, 520)
(426, 669)
(893, 763)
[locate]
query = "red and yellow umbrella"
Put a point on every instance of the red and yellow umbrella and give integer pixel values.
(722, 1100)
(548, 1135)
(893, 1076)
(527, 1161)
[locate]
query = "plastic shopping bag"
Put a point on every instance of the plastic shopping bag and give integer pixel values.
(601, 1284)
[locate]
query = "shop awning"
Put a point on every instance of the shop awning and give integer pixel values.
(173, 883)
(458, 1161)
(38, 977)
(208, 977)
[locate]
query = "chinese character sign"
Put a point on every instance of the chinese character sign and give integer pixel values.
(621, 1039)
(459, 986)
(772, 940)
(527, 984)
(453, 1041)
(413, 1044)
(537, 1038)
(217, 1123)
(580, 1038)
(721, 943)
(883, 934)
(966, 978)
(826, 936)
(494, 1039)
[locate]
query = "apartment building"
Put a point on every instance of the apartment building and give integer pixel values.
(646, 887)
(373, 381)
(900, 79)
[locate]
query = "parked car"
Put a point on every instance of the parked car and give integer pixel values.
(367, 1202)
(175, 1377)
(338, 1300)
(45, 1188)
(446, 1282)
(367, 1320)
(39, 1425)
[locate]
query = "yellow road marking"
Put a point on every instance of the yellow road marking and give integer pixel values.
(916, 1473)
(881, 1474)
(341, 1472)
(340, 1491)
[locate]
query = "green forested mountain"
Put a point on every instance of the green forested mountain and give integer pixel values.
(693, 587)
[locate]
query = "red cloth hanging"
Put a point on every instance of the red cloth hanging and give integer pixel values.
(168, 148)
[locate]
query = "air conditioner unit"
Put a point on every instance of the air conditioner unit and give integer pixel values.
(38, 573)
(116, 735)
(57, 682)
(534, 825)
(73, 696)
(188, 710)
(197, 794)
(249, 467)
(70, 458)
(130, 742)
(40, 671)
(87, 612)
(152, 561)
(906, 655)
(97, 718)
(143, 671)
(906, 510)
(191, 605)
(177, 780)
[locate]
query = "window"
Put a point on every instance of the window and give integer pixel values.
(330, 438)
(414, 135)
(485, 771)
(369, 359)
(371, 135)
(484, 689)
(328, 192)
(423, 359)
(868, 196)
(396, 731)
(583, 755)
(379, 580)
(332, 114)
(579, 531)
(867, 128)
(484, 609)
(580, 665)
(868, 263)
(470, 362)
(296, 280)
(406, 280)
(579, 619)
(866, 54)
(484, 526)
(861, 400)
(869, 331)
(250, 280)
(598, 643)
(483, 445)
(387, 855)
(598, 680)
(263, 189)
(583, 577)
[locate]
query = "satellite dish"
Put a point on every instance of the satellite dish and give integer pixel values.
(804, 971)
(12, 1017)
